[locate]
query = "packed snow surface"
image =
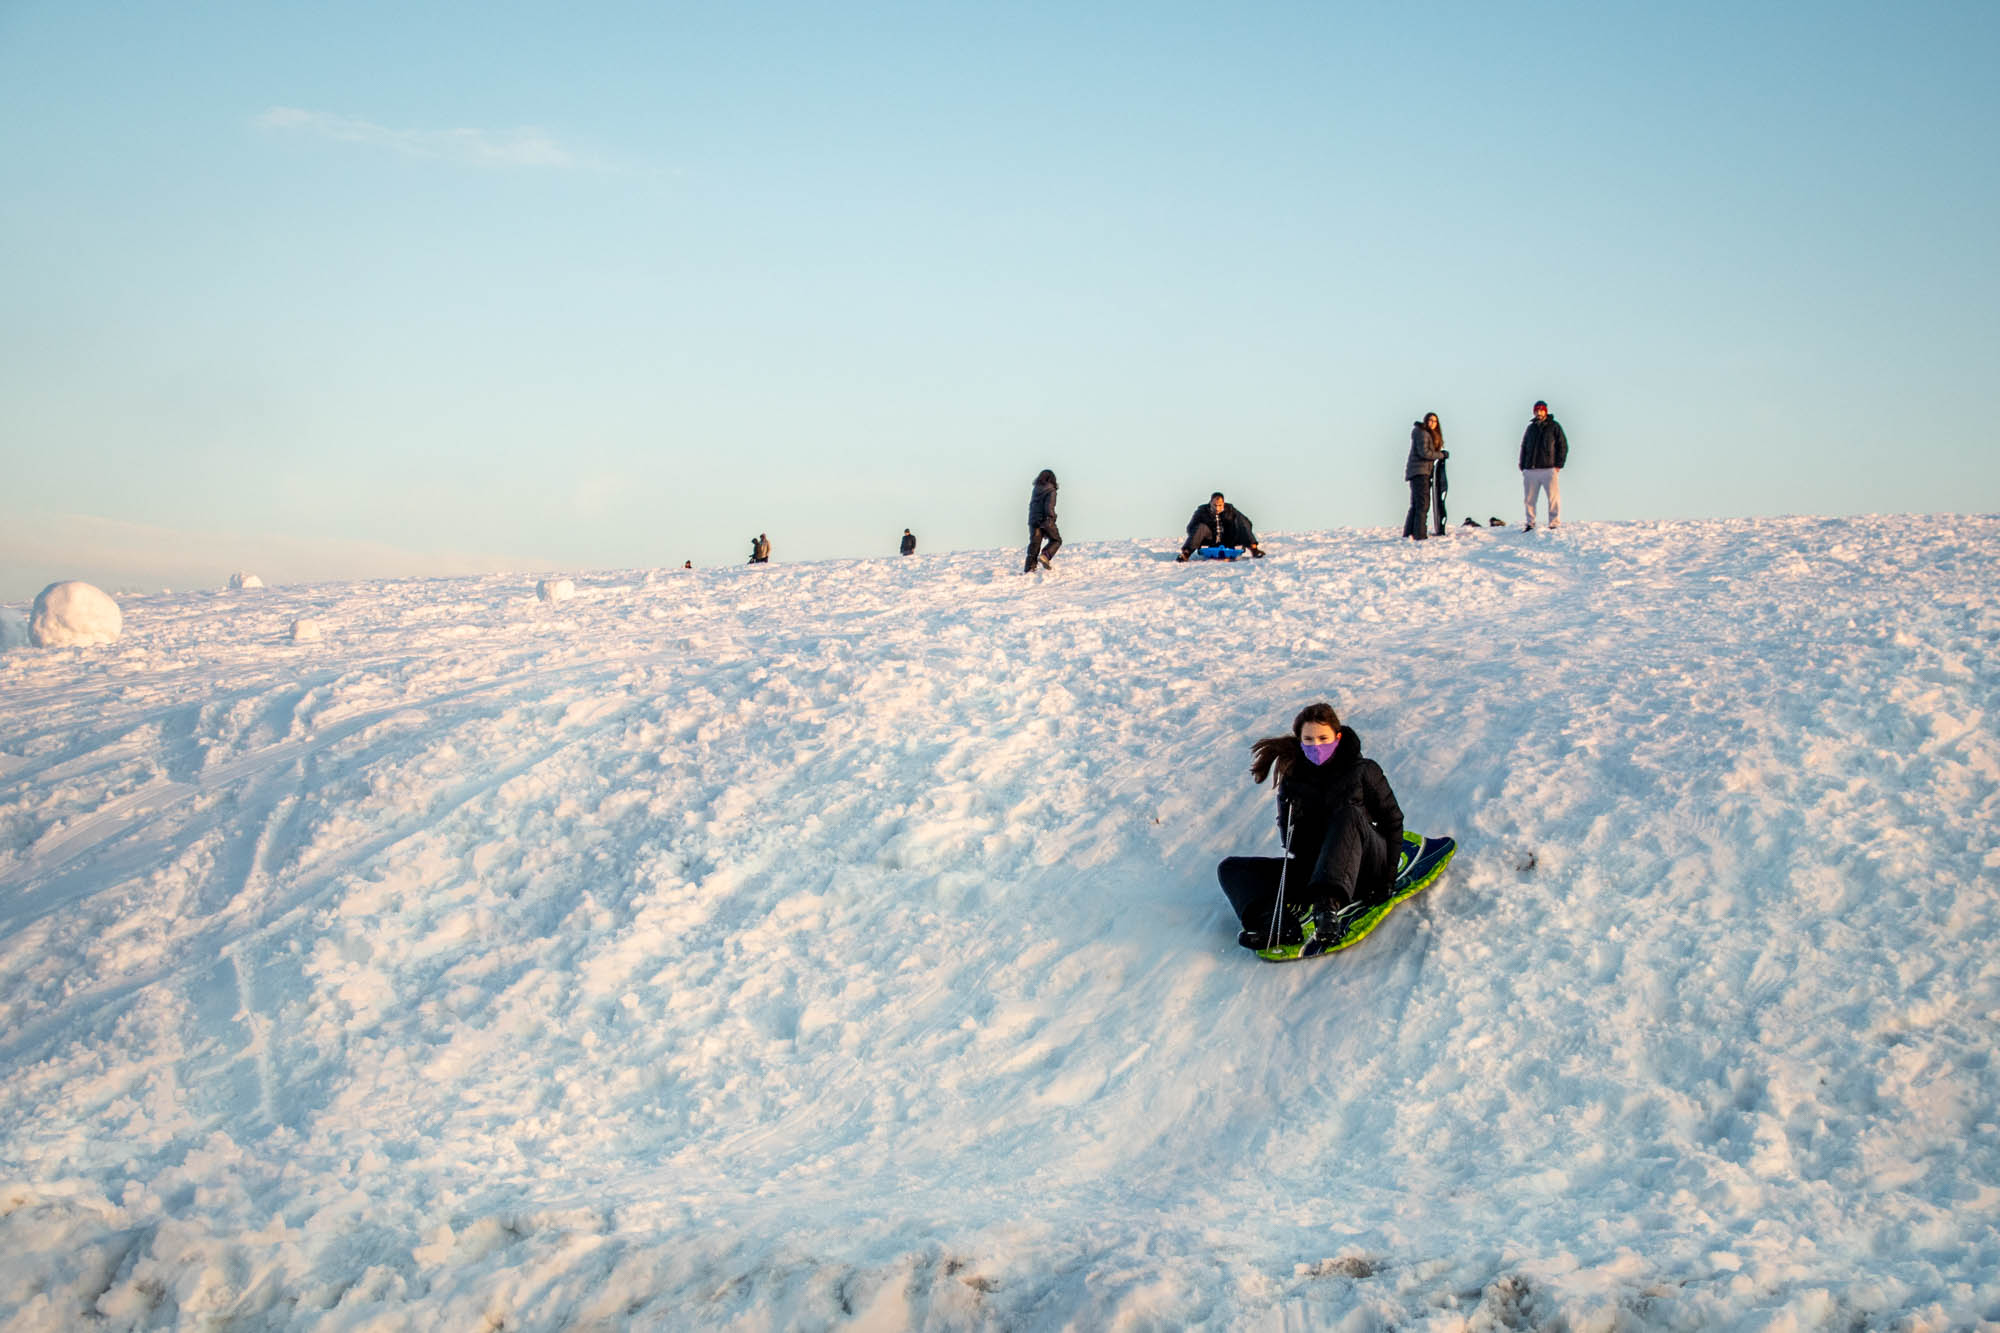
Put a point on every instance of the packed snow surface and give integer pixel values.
(838, 945)
(74, 615)
(555, 590)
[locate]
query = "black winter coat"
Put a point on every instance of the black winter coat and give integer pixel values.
(1310, 794)
(1042, 504)
(1231, 527)
(1544, 445)
(1426, 452)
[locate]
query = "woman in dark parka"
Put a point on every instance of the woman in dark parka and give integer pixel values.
(1426, 452)
(1342, 830)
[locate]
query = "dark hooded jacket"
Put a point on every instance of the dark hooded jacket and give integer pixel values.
(1231, 527)
(1310, 794)
(1426, 451)
(1042, 504)
(1543, 444)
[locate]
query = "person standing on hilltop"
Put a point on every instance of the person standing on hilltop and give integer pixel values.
(760, 550)
(1427, 453)
(909, 542)
(1544, 451)
(1044, 538)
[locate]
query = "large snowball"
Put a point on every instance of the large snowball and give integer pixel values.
(242, 579)
(555, 590)
(74, 615)
(306, 630)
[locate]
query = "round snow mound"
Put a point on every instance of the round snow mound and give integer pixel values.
(74, 615)
(306, 630)
(555, 590)
(13, 629)
(241, 579)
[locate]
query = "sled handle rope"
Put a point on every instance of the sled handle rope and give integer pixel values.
(1278, 908)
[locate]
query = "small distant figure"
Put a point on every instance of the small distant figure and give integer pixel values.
(687, 564)
(909, 542)
(1427, 454)
(760, 550)
(1544, 452)
(1044, 538)
(1220, 523)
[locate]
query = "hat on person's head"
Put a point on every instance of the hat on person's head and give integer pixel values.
(1544, 406)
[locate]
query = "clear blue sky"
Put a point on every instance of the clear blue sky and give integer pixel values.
(333, 290)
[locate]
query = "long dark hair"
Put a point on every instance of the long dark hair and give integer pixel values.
(1283, 752)
(1436, 432)
(1047, 476)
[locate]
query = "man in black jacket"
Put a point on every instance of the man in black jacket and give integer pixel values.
(1219, 523)
(909, 543)
(1544, 451)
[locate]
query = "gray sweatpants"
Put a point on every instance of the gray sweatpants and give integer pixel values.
(1542, 479)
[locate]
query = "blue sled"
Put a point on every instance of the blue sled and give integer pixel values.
(1220, 552)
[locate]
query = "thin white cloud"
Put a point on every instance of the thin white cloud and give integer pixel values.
(526, 147)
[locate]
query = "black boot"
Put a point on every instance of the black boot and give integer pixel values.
(1257, 937)
(1330, 926)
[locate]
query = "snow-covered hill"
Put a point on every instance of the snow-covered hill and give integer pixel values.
(838, 945)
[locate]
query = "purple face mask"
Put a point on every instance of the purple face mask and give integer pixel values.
(1318, 753)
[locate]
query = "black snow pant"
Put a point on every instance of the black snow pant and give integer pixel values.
(1354, 864)
(1043, 543)
(1204, 535)
(1420, 508)
(1437, 497)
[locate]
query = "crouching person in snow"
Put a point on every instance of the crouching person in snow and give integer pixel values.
(1219, 523)
(1342, 831)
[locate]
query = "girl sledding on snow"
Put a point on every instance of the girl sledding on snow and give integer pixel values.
(1342, 827)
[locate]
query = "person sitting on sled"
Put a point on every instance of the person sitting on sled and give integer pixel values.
(1342, 831)
(1219, 523)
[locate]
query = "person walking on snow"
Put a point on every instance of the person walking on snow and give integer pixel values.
(1219, 523)
(1044, 538)
(1342, 832)
(1427, 453)
(1544, 451)
(909, 543)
